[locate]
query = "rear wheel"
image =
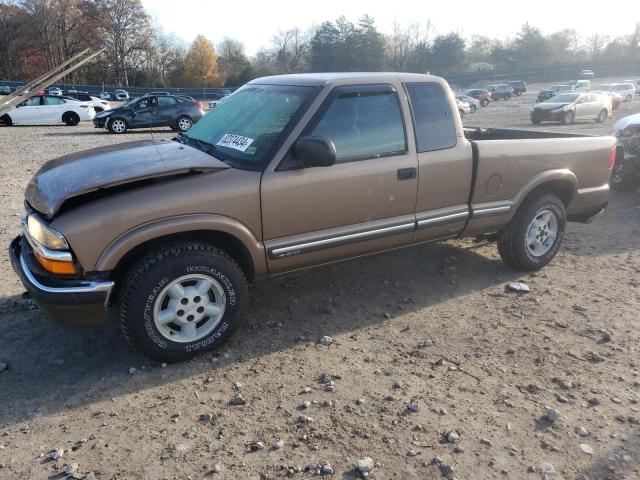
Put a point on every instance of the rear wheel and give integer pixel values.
(602, 116)
(484, 103)
(184, 123)
(181, 300)
(118, 125)
(533, 237)
(71, 119)
(567, 118)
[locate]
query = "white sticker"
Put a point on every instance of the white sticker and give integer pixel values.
(237, 142)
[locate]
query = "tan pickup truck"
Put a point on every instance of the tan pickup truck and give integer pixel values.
(289, 172)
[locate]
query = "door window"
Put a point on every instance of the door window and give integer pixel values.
(432, 117)
(163, 101)
(53, 101)
(364, 124)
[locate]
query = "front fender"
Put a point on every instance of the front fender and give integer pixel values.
(131, 239)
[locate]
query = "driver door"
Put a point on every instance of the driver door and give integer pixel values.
(363, 203)
(144, 112)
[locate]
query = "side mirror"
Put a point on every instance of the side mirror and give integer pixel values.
(315, 151)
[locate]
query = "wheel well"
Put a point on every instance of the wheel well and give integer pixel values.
(563, 189)
(225, 241)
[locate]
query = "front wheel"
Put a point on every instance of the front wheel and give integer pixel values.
(118, 125)
(567, 118)
(473, 108)
(602, 116)
(6, 120)
(181, 300)
(533, 237)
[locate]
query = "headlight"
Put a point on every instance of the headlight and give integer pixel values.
(44, 235)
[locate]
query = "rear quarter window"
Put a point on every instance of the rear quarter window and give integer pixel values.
(432, 117)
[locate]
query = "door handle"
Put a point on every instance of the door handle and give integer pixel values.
(407, 173)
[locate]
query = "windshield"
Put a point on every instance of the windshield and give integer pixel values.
(564, 98)
(248, 124)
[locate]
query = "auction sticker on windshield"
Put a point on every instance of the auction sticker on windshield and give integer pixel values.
(237, 142)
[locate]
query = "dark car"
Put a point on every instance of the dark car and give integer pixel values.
(5, 90)
(519, 87)
(502, 90)
(480, 94)
(547, 93)
(151, 94)
(173, 111)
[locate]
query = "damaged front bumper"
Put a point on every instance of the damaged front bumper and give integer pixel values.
(68, 302)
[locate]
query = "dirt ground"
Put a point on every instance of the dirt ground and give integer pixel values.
(425, 342)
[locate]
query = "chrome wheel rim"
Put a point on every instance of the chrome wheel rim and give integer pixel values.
(118, 126)
(542, 233)
(189, 308)
(184, 124)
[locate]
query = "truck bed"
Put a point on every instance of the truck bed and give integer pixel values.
(478, 133)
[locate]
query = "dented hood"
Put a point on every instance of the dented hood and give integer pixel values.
(106, 167)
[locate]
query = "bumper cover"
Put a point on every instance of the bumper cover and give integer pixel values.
(68, 302)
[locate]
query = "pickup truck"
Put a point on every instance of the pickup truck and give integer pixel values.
(289, 172)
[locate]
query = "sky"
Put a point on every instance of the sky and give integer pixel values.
(255, 22)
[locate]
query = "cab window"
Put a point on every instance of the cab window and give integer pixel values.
(432, 117)
(363, 123)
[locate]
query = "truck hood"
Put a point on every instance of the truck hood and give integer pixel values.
(549, 105)
(626, 121)
(103, 168)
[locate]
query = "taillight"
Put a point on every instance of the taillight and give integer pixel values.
(199, 105)
(612, 157)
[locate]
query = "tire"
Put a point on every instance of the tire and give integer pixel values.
(484, 103)
(624, 178)
(6, 120)
(146, 293)
(535, 120)
(184, 123)
(118, 125)
(473, 108)
(71, 119)
(515, 240)
(567, 118)
(602, 116)
(508, 97)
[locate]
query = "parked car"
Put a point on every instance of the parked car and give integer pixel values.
(98, 104)
(55, 91)
(106, 96)
(625, 90)
(480, 94)
(635, 83)
(625, 176)
(546, 94)
(155, 94)
(580, 85)
(172, 111)
(587, 74)
(567, 107)
(121, 94)
(258, 188)
(49, 109)
(217, 98)
(502, 90)
(463, 108)
(616, 100)
(519, 87)
(474, 104)
(5, 90)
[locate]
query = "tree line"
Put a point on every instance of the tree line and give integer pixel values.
(37, 35)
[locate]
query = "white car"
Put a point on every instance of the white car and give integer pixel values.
(463, 108)
(580, 85)
(55, 91)
(474, 104)
(635, 83)
(49, 109)
(98, 104)
(625, 90)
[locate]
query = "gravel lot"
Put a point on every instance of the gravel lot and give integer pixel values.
(425, 342)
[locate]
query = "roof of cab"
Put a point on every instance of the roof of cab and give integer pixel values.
(320, 79)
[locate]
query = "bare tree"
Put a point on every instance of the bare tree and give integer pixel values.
(290, 49)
